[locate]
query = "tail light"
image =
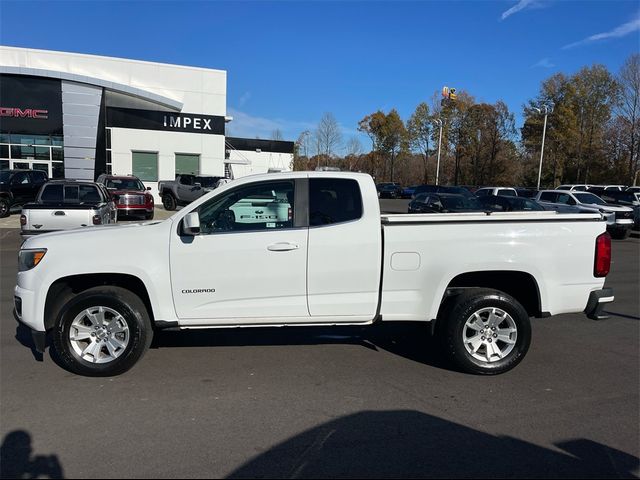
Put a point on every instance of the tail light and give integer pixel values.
(23, 220)
(97, 220)
(602, 263)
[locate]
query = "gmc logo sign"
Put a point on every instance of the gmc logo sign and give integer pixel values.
(23, 113)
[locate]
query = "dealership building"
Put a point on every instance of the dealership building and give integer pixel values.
(77, 116)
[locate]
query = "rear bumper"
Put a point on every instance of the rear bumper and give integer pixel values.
(597, 301)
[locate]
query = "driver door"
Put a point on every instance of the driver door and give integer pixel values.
(249, 262)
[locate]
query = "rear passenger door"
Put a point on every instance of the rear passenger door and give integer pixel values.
(344, 257)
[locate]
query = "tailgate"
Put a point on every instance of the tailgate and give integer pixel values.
(47, 219)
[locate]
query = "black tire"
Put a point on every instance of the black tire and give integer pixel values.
(124, 302)
(460, 309)
(169, 201)
(620, 234)
(5, 207)
(148, 216)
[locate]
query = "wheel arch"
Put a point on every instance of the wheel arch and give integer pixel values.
(520, 285)
(64, 288)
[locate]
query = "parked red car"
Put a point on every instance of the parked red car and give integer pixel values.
(130, 195)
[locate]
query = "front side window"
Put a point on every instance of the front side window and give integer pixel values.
(482, 192)
(262, 206)
(507, 192)
(566, 199)
(145, 166)
(333, 200)
(21, 178)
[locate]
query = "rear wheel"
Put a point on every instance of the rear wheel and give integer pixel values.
(485, 332)
(5, 207)
(169, 202)
(148, 216)
(102, 331)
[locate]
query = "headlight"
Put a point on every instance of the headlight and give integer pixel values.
(27, 259)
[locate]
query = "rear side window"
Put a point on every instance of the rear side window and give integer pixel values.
(507, 193)
(51, 194)
(548, 197)
(334, 200)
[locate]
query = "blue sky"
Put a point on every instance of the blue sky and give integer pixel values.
(289, 62)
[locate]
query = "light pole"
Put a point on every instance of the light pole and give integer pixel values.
(547, 109)
(438, 122)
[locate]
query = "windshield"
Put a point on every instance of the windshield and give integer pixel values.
(124, 184)
(589, 198)
(5, 176)
(207, 182)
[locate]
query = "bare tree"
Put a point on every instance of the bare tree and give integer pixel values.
(629, 110)
(328, 135)
(353, 147)
(277, 135)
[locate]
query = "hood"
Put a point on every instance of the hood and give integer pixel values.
(84, 236)
(610, 208)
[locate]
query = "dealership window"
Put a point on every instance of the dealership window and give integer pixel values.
(36, 152)
(187, 163)
(145, 165)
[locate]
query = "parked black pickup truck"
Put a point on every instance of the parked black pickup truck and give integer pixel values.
(18, 187)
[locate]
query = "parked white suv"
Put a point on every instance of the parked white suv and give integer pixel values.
(572, 188)
(619, 219)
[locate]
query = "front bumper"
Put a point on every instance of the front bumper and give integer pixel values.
(39, 337)
(134, 210)
(597, 301)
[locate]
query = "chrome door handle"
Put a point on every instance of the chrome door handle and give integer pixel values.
(282, 247)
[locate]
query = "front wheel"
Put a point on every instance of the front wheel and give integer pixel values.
(102, 331)
(486, 332)
(5, 208)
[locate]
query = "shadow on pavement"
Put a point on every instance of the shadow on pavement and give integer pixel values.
(17, 460)
(23, 335)
(412, 444)
(411, 340)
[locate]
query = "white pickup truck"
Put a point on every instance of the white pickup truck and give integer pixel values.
(331, 259)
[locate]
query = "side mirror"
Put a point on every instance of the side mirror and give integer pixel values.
(191, 224)
(198, 184)
(148, 188)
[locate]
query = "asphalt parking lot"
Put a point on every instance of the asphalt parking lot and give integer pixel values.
(331, 402)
